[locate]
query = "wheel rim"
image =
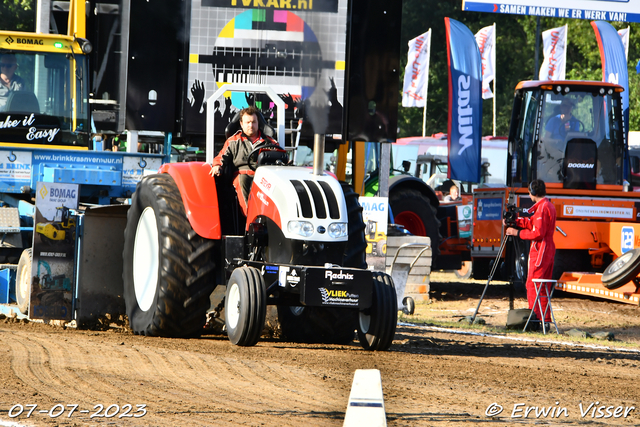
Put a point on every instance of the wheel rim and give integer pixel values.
(23, 285)
(520, 263)
(146, 250)
(411, 222)
(466, 266)
(620, 262)
(233, 303)
(365, 322)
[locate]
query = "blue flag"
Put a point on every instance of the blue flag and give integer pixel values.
(614, 70)
(465, 102)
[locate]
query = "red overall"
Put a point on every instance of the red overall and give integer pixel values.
(539, 229)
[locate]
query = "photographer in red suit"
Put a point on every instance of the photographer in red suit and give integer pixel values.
(539, 228)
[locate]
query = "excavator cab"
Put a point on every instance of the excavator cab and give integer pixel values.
(568, 134)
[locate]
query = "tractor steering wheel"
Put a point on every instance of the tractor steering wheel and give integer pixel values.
(253, 162)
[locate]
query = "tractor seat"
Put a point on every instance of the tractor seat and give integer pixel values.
(234, 126)
(22, 102)
(580, 164)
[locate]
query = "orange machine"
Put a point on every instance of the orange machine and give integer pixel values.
(582, 157)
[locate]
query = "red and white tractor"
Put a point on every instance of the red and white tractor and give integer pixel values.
(301, 248)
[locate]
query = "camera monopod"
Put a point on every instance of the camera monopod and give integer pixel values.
(493, 271)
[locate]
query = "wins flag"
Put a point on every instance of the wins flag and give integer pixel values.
(614, 62)
(486, 38)
(416, 73)
(465, 102)
(554, 65)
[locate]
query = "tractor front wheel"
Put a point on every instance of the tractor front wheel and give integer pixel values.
(377, 324)
(167, 267)
(245, 306)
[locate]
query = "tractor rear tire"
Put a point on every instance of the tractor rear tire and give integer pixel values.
(167, 267)
(622, 270)
(245, 306)
(414, 211)
(23, 280)
(330, 325)
(377, 325)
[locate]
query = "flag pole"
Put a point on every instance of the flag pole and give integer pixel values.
(426, 87)
(493, 59)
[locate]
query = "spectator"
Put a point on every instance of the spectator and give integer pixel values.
(454, 194)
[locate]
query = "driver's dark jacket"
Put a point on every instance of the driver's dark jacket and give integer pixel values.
(236, 149)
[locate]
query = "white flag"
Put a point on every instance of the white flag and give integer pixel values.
(624, 35)
(486, 44)
(554, 65)
(416, 73)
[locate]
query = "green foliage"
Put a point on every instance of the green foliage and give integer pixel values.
(515, 57)
(17, 15)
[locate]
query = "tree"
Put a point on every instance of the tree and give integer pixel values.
(515, 51)
(17, 15)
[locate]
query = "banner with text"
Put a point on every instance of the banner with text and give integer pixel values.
(554, 66)
(486, 39)
(608, 10)
(614, 63)
(416, 73)
(465, 102)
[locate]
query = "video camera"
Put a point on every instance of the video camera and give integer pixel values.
(510, 215)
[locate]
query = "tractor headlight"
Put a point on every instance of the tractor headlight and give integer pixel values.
(338, 229)
(302, 228)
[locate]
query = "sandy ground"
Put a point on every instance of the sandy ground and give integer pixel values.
(432, 376)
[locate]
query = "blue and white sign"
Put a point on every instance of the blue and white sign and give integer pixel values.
(626, 239)
(605, 10)
(489, 209)
(465, 102)
(15, 170)
(54, 242)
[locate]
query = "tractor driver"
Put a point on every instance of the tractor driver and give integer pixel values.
(9, 80)
(235, 153)
(558, 126)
